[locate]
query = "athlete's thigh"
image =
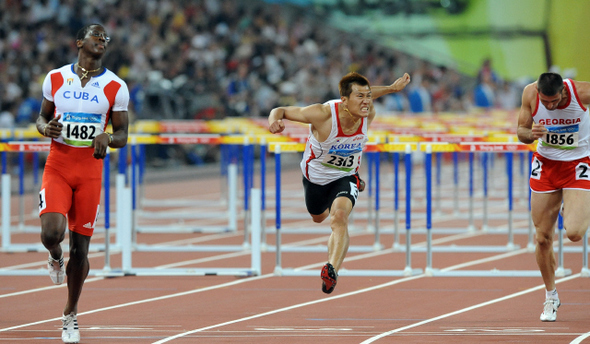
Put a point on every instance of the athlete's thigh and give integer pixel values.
(317, 197)
(86, 203)
(346, 187)
(56, 193)
(544, 210)
(342, 203)
(576, 208)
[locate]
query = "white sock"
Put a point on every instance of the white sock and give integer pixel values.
(551, 294)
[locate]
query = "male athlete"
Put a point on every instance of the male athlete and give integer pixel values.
(332, 157)
(78, 101)
(555, 112)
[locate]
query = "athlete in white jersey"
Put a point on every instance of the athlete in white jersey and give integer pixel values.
(555, 112)
(338, 133)
(340, 152)
(79, 100)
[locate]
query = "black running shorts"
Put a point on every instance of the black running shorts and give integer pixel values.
(318, 198)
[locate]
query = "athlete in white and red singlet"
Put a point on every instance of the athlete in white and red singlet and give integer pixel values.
(338, 133)
(79, 100)
(555, 112)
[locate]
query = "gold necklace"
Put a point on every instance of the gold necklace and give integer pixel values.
(354, 118)
(85, 71)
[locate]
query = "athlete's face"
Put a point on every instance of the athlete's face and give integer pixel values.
(95, 41)
(550, 102)
(360, 100)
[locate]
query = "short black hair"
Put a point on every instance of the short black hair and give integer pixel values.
(550, 84)
(345, 84)
(83, 31)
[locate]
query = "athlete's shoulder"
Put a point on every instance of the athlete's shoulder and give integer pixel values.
(582, 89)
(113, 76)
(333, 101)
(530, 91)
(63, 70)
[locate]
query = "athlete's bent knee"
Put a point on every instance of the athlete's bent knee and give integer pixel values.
(319, 218)
(339, 216)
(574, 236)
(544, 241)
(52, 236)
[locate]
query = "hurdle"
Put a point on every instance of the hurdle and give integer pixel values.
(124, 228)
(137, 147)
(485, 157)
(445, 147)
(21, 227)
(510, 148)
(231, 213)
(298, 147)
(128, 247)
(277, 148)
(470, 148)
(7, 229)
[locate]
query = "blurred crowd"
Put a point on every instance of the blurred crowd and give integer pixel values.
(206, 59)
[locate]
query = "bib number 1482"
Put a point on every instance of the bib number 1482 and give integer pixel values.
(80, 131)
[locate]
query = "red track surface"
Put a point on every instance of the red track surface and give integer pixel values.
(271, 309)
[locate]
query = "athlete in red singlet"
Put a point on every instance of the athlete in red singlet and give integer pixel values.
(555, 112)
(338, 133)
(79, 100)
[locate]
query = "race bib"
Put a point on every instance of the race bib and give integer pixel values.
(562, 137)
(343, 160)
(79, 128)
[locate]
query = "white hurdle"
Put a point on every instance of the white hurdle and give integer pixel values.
(142, 205)
(8, 229)
(127, 247)
(560, 271)
(282, 271)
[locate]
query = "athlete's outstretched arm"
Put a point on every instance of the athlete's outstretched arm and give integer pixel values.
(311, 114)
(398, 85)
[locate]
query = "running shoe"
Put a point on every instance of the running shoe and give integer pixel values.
(550, 309)
(57, 269)
(70, 332)
(329, 278)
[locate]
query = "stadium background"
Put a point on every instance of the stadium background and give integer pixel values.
(217, 59)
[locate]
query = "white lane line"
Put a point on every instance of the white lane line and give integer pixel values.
(580, 338)
(288, 308)
(483, 304)
(360, 291)
(159, 298)
(367, 255)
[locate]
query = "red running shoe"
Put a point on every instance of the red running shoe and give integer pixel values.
(329, 278)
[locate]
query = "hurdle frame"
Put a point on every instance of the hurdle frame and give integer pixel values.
(279, 270)
(493, 146)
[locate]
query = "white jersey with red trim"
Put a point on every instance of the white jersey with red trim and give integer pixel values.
(85, 111)
(338, 156)
(568, 128)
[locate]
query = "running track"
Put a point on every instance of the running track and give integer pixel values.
(269, 308)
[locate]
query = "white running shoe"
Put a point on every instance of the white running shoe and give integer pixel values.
(57, 269)
(550, 310)
(70, 332)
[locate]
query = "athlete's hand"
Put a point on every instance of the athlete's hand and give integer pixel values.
(538, 131)
(53, 128)
(100, 144)
(401, 83)
(277, 126)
